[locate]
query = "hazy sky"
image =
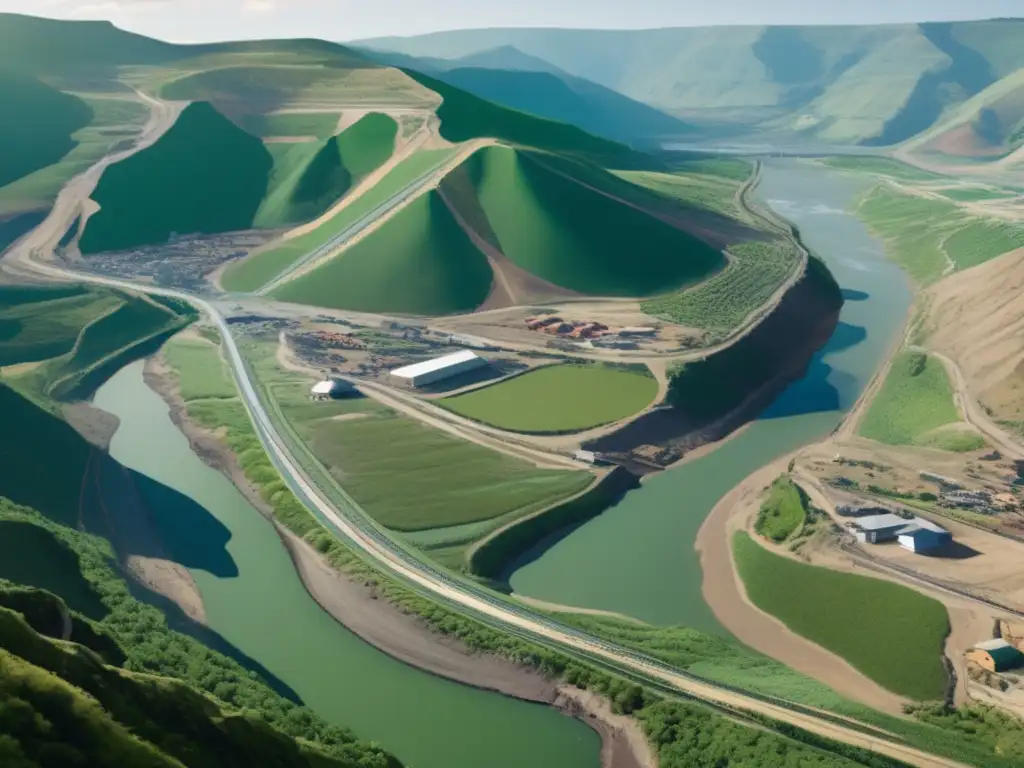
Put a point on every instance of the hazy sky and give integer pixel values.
(200, 20)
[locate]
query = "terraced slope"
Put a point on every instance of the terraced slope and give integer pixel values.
(308, 178)
(419, 262)
(38, 125)
(576, 237)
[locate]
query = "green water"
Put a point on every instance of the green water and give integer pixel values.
(255, 600)
(638, 558)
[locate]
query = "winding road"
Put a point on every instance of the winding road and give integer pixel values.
(358, 531)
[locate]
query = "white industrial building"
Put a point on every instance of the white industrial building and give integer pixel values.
(430, 371)
(917, 535)
(328, 388)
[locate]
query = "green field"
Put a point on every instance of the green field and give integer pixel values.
(419, 262)
(711, 192)
(205, 175)
(40, 128)
(201, 374)
(114, 120)
(880, 166)
(722, 303)
(915, 401)
(317, 125)
(308, 178)
(257, 270)
(889, 632)
(559, 398)
(924, 235)
(783, 512)
(974, 194)
(577, 238)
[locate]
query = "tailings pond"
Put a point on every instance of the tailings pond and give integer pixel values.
(638, 558)
(255, 600)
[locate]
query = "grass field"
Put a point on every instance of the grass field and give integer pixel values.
(204, 175)
(974, 194)
(915, 401)
(308, 178)
(113, 121)
(782, 512)
(318, 125)
(713, 193)
(419, 262)
(559, 398)
(722, 303)
(577, 238)
(365, 446)
(43, 121)
(925, 235)
(257, 270)
(201, 374)
(880, 166)
(889, 632)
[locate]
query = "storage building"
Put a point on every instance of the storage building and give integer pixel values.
(917, 535)
(430, 371)
(923, 535)
(874, 529)
(995, 655)
(329, 388)
(588, 456)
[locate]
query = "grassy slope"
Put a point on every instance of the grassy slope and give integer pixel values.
(922, 233)
(318, 125)
(783, 512)
(257, 270)
(889, 632)
(308, 179)
(576, 238)
(419, 262)
(39, 129)
(558, 398)
(915, 400)
(204, 175)
(881, 166)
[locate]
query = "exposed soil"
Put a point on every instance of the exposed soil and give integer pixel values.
(96, 426)
(624, 744)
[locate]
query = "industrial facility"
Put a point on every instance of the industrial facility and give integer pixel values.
(917, 535)
(430, 371)
(995, 655)
(330, 388)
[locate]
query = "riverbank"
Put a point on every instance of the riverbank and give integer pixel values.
(359, 609)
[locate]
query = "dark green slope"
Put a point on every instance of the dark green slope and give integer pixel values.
(36, 123)
(205, 175)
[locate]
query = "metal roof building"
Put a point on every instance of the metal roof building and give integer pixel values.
(330, 388)
(917, 534)
(429, 371)
(996, 655)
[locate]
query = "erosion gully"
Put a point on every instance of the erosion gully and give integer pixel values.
(638, 557)
(255, 600)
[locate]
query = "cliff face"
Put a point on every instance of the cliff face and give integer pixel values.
(710, 398)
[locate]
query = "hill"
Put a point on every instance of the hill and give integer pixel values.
(39, 127)
(207, 175)
(875, 85)
(511, 78)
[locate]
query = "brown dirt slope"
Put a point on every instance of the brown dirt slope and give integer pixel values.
(976, 317)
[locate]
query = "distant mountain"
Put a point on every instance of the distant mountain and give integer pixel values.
(508, 76)
(873, 85)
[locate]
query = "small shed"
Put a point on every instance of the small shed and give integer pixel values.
(995, 655)
(330, 388)
(588, 456)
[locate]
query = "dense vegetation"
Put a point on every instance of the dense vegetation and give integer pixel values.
(889, 632)
(38, 126)
(914, 404)
(38, 323)
(419, 262)
(783, 511)
(261, 267)
(308, 178)
(559, 398)
(724, 302)
(578, 238)
(205, 175)
(931, 237)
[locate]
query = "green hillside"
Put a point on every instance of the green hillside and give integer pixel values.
(37, 127)
(855, 84)
(465, 116)
(204, 175)
(308, 178)
(577, 238)
(419, 262)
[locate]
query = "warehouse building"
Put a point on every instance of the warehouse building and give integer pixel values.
(430, 371)
(917, 535)
(330, 388)
(995, 655)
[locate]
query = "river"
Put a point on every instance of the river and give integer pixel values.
(638, 558)
(255, 599)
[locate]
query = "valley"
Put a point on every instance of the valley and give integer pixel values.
(492, 431)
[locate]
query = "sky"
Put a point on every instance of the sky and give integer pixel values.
(341, 20)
